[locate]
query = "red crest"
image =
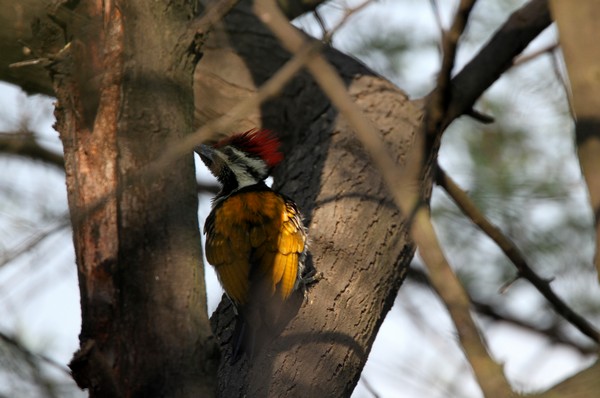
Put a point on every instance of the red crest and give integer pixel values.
(258, 142)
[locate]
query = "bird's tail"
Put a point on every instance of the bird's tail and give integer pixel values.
(255, 325)
(243, 339)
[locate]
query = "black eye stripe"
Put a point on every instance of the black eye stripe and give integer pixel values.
(251, 164)
(228, 180)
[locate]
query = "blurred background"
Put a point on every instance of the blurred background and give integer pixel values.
(521, 171)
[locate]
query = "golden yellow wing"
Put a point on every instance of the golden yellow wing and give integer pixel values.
(229, 255)
(256, 238)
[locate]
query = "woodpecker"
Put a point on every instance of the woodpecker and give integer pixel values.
(255, 238)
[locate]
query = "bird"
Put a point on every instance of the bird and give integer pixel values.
(255, 237)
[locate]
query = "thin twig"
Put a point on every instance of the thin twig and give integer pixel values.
(480, 116)
(214, 12)
(369, 386)
(25, 144)
(211, 188)
(438, 17)
(16, 344)
(496, 57)
(327, 36)
(28, 62)
(406, 196)
(321, 23)
(552, 332)
(438, 100)
(515, 256)
(33, 240)
(530, 57)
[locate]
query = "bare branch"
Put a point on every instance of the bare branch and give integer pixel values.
(552, 332)
(489, 374)
(369, 386)
(34, 240)
(438, 17)
(550, 49)
(214, 12)
(438, 100)
(25, 144)
(295, 8)
(488, 310)
(583, 384)
(515, 256)
(207, 188)
(496, 57)
(347, 14)
(30, 355)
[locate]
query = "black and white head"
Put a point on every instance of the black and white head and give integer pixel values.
(243, 159)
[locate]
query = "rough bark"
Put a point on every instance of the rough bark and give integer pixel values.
(145, 332)
(358, 239)
(578, 28)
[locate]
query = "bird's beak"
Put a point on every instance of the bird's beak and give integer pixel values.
(206, 154)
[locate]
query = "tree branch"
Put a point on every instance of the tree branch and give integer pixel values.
(581, 385)
(217, 9)
(463, 201)
(552, 333)
(31, 356)
(577, 27)
(214, 12)
(488, 310)
(438, 100)
(295, 8)
(25, 144)
(488, 373)
(525, 58)
(496, 57)
(328, 35)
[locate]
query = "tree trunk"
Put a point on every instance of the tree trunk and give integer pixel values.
(124, 93)
(358, 238)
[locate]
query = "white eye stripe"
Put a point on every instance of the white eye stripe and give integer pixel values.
(246, 169)
(257, 165)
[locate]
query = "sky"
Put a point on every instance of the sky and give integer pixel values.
(415, 353)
